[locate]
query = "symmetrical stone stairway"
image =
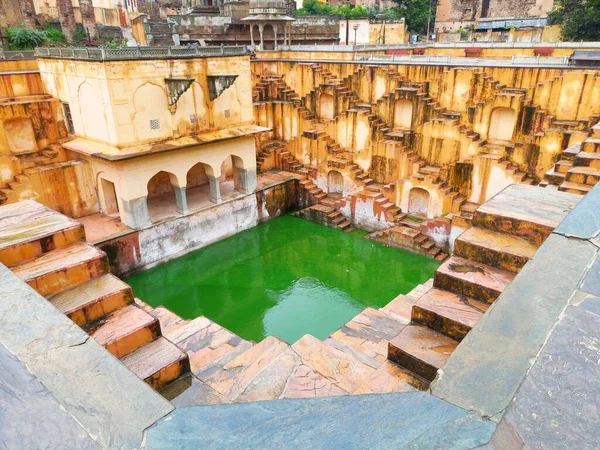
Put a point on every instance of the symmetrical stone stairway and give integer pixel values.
(48, 251)
(506, 232)
(396, 348)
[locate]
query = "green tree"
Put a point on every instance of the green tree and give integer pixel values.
(417, 14)
(579, 19)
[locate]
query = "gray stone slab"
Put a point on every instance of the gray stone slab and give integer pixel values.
(584, 221)
(30, 417)
(558, 404)
(110, 402)
(410, 420)
(591, 281)
(487, 368)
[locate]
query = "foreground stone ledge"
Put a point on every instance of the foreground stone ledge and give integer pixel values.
(487, 369)
(110, 403)
(400, 420)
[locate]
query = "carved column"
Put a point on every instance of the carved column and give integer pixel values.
(260, 30)
(252, 34)
(88, 17)
(134, 213)
(215, 188)
(275, 36)
(180, 199)
(246, 180)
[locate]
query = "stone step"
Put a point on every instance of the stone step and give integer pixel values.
(190, 391)
(574, 188)
(493, 248)
(388, 378)
(589, 159)
(525, 211)
(63, 268)
(209, 346)
(237, 374)
(447, 313)
(30, 229)
(369, 333)
(583, 175)
(167, 319)
(340, 368)
(93, 299)
(125, 330)
(472, 279)
(158, 362)
(421, 350)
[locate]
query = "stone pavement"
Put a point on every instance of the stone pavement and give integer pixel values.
(413, 420)
(87, 383)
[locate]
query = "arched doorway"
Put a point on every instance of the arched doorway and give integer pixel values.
(326, 110)
(197, 187)
(161, 196)
(335, 182)
(403, 111)
(418, 202)
(502, 124)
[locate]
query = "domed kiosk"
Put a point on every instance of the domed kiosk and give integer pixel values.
(271, 19)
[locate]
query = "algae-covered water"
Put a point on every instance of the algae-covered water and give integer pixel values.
(286, 278)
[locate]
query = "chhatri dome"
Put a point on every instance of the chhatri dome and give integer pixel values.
(269, 13)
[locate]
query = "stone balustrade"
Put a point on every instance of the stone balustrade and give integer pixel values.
(108, 54)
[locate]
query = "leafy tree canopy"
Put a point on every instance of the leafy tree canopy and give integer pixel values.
(579, 19)
(415, 12)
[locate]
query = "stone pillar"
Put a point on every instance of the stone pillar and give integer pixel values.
(67, 18)
(88, 17)
(134, 213)
(215, 188)
(28, 12)
(180, 199)
(247, 180)
(260, 30)
(252, 34)
(275, 36)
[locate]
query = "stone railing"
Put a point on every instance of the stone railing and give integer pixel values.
(554, 61)
(108, 54)
(363, 48)
(22, 54)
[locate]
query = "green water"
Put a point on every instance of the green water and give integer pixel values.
(286, 278)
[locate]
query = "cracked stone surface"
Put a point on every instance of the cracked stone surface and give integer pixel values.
(75, 369)
(486, 370)
(30, 416)
(394, 421)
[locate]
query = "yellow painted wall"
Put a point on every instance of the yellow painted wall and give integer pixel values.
(116, 101)
(454, 110)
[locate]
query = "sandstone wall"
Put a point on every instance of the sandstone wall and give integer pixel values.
(505, 125)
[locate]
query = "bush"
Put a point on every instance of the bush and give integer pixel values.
(54, 34)
(25, 38)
